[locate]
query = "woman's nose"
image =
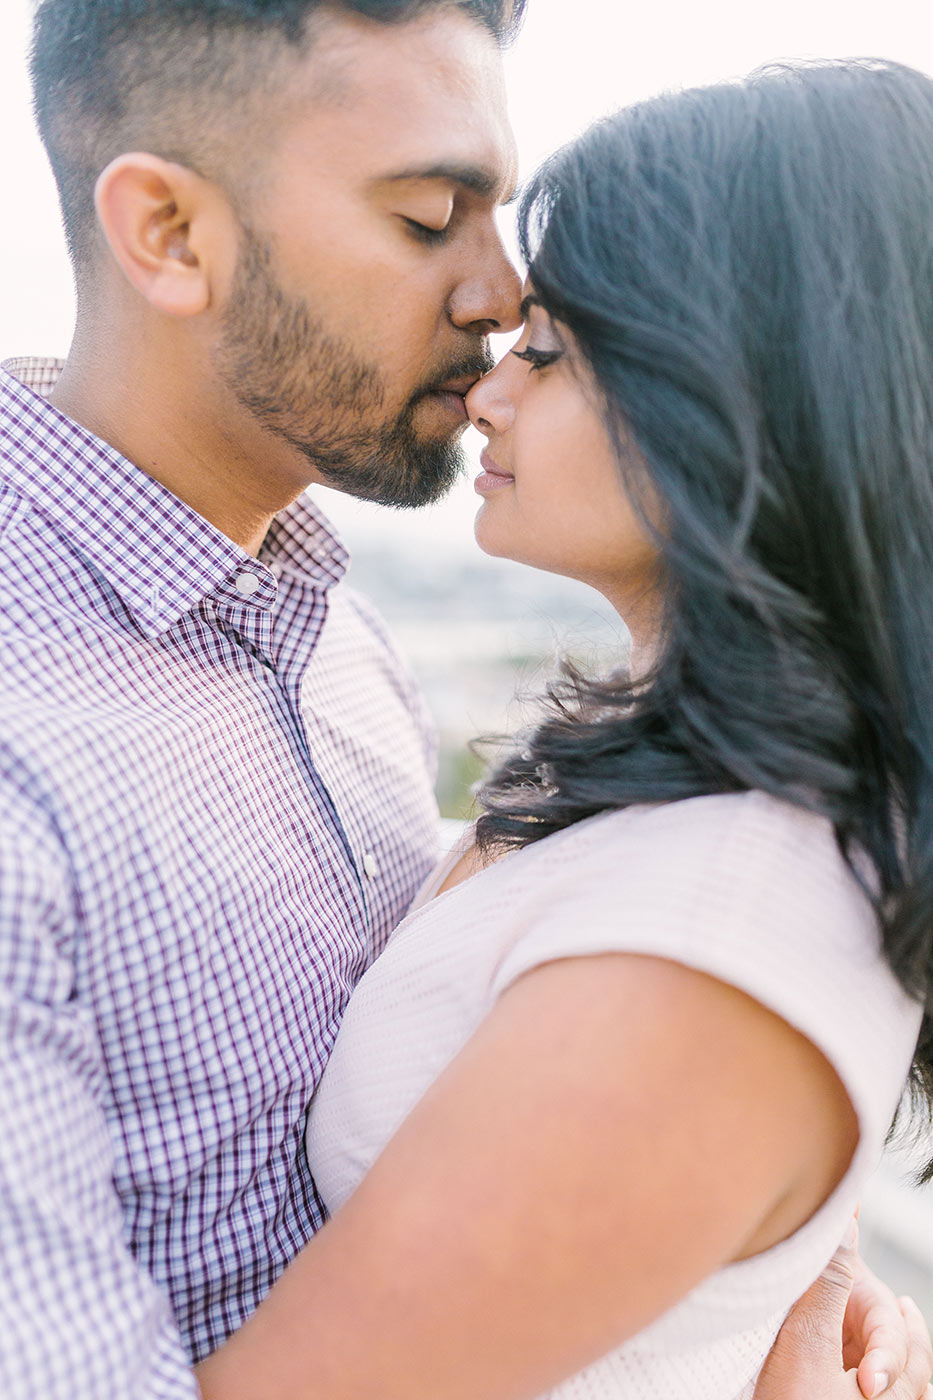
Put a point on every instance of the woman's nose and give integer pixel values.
(489, 403)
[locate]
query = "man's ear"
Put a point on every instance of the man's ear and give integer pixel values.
(168, 229)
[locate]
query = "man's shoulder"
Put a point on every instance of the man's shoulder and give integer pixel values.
(13, 506)
(61, 642)
(24, 563)
(46, 589)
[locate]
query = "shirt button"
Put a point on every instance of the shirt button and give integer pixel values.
(370, 865)
(247, 584)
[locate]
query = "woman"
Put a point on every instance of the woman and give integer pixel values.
(600, 1112)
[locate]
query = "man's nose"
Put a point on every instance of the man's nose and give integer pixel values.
(488, 298)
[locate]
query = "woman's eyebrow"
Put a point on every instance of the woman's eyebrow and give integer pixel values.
(526, 305)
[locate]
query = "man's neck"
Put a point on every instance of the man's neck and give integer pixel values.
(163, 416)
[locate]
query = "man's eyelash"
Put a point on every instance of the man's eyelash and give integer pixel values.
(537, 359)
(425, 234)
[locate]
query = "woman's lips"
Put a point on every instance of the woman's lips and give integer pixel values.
(492, 477)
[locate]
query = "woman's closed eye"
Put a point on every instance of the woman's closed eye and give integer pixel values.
(537, 359)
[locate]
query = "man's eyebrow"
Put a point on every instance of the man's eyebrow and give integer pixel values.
(474, 178)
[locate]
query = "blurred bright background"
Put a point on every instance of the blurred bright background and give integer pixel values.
(478, 629)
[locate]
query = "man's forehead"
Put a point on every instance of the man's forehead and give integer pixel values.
(444, 47)
(421, 100)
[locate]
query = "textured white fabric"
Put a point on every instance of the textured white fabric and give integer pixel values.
(748, 889)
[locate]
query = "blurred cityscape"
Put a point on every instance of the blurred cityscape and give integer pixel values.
(483, 635)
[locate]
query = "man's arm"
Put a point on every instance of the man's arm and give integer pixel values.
(78, 1318)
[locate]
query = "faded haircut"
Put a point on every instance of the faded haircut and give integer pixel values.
(179, 79)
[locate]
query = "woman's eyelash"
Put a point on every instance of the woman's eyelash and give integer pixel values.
(538, 359)
(425, 234)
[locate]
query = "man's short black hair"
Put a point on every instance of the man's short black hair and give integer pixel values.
(116, 75)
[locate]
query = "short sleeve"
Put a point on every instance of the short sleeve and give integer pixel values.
(747, 889)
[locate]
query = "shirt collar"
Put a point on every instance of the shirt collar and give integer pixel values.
(158, 554)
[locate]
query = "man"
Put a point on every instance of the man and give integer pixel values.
(216, 772)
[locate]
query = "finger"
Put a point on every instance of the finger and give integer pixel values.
(873, 1306)
(822, 1309)
(886, 1349)
(913, 1382)
(808, 1347)
(919, 1368)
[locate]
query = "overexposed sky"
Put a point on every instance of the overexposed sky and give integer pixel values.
(575, 60)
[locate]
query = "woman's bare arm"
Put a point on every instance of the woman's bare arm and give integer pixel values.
(618, 1128)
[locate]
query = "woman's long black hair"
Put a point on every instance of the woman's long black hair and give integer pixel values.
(748, 271)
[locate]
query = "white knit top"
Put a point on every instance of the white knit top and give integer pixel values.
(748, 889)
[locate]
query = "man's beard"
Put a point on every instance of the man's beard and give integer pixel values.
(308, 387)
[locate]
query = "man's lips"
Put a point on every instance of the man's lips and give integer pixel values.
(461, 385)
(452, 394)
(493, 477)
(451, 400)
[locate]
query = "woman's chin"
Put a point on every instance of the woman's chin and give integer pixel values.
(488, 538)
(502, 544)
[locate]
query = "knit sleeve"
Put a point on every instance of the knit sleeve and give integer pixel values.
(749, 890)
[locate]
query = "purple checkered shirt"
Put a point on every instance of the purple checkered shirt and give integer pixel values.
(216, 803)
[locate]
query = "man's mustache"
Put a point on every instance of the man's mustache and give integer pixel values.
(472, 366)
